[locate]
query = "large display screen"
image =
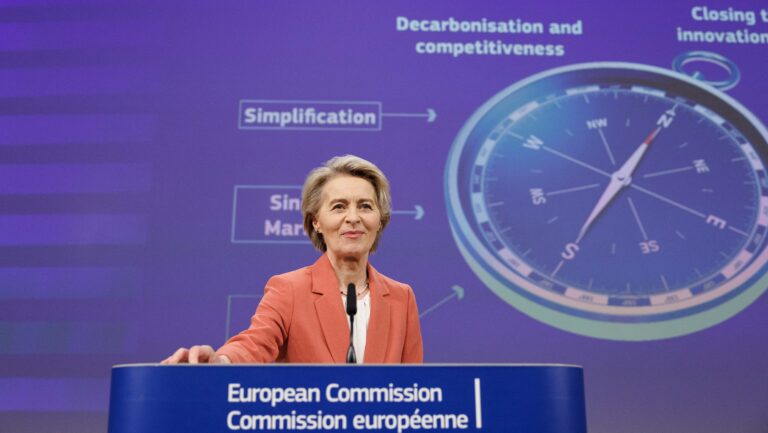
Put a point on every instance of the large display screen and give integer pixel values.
(573, 182)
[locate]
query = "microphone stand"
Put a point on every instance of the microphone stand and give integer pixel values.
(351, 311)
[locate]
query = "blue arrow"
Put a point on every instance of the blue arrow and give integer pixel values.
(458, 293)
(431, 115)
(417, 212)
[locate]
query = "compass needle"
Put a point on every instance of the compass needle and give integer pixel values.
(623, 176)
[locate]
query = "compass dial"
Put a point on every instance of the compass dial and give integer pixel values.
(614, 200)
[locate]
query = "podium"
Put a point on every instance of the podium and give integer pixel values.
(387, 398)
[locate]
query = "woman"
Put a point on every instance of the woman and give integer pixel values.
(301, 318)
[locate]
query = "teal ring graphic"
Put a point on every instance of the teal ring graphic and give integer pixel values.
(693, 57)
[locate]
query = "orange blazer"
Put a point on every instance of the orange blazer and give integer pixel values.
(301, 318)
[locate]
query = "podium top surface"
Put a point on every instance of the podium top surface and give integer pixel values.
(540, 398)
(480, 365)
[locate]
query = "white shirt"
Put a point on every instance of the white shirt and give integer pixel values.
(361, 324)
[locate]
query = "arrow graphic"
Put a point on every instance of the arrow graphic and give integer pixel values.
(431, 115)
(458, 293)
(417, 212)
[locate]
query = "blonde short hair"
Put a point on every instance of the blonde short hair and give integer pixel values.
(312, 193)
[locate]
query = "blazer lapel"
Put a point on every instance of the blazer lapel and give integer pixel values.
(330, 310)
(378, 325)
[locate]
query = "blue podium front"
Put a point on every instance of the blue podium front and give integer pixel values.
(224, 398)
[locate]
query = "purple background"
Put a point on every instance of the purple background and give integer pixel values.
(120, 152)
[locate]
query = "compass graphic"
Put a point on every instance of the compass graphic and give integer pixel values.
(614, 200)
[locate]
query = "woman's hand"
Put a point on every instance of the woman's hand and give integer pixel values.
(196, 355)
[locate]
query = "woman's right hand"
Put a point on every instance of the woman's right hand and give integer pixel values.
(196, 355)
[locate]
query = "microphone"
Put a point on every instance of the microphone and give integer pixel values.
(351, 311)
